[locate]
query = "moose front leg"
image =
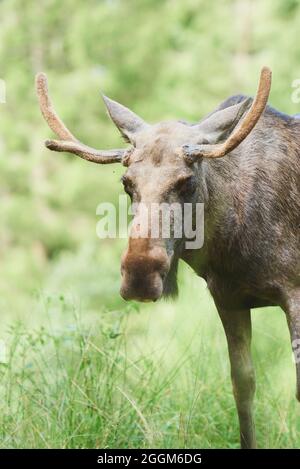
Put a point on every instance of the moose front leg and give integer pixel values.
(292, 310)
(237, 326)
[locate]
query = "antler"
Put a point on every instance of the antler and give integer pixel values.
(242, 130)
(67, 142)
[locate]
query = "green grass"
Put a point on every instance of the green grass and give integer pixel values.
(131, 376)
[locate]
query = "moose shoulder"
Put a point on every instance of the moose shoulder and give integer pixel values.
(243, 162)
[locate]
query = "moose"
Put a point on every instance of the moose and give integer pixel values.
(242, 161)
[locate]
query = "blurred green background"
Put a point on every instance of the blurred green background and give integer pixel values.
(83, 368)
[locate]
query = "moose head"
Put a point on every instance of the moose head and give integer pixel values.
(164, 165)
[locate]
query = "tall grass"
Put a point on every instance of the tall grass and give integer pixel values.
(129, 377)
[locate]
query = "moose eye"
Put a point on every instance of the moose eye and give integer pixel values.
(186, 185)
(127, 184)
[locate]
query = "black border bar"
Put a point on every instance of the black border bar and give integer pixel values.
(148, 457)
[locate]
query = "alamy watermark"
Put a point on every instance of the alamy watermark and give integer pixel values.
(153, 220)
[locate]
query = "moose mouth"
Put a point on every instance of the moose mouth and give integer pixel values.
(142, 288)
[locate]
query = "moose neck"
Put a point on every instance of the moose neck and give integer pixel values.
(217, 191)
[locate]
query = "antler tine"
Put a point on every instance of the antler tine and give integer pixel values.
(49, 114)
(246, 125)
(68, 142)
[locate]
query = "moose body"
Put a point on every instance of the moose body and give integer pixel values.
(244, 165)
(251, 254)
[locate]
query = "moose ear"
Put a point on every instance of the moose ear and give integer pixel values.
(220, 124)
(127, 121)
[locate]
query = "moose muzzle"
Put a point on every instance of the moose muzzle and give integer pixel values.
(144, 268)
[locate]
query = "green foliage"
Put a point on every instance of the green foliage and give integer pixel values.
(86, 369)
(129, 378)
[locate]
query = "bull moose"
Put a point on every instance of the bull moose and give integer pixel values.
(243, 162)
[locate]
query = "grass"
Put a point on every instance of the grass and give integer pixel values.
(139, 376)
